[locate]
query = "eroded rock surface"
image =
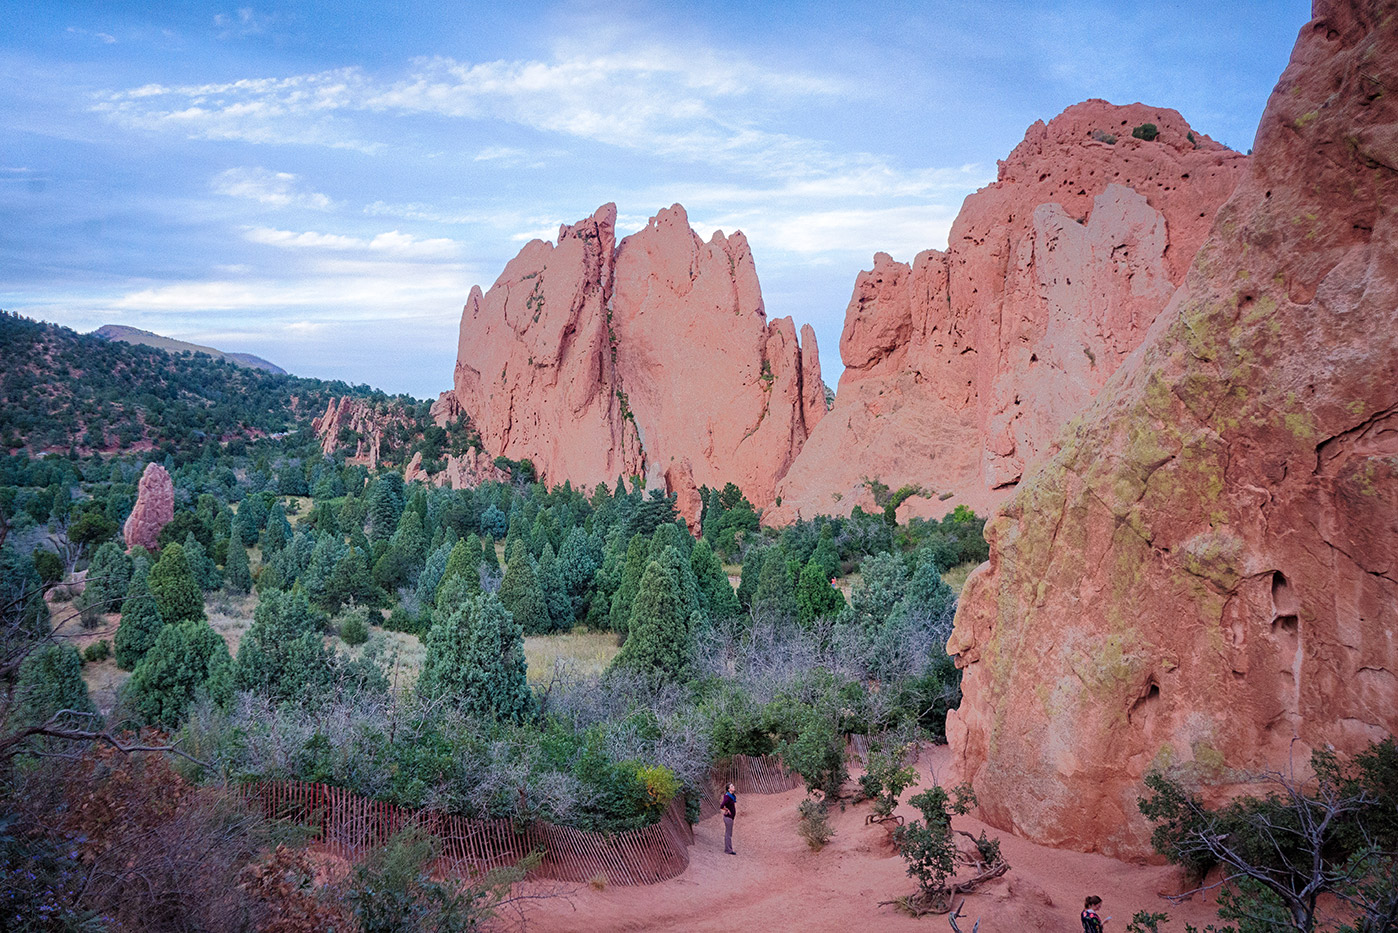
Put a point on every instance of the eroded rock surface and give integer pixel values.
(651, 357)
(961, 367)
(1204, 578)
(154, 508)
(362, 422)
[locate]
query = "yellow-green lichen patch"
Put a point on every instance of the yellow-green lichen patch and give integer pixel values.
(1213, 556)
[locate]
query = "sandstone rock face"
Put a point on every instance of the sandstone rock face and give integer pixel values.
(154, 508)
(1204, 577)
(368, 420)
(961, 367)
(651, 357)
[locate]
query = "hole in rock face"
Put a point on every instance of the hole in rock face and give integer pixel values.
(1145, 701)
(1285, 602)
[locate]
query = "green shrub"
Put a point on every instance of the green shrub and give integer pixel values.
(354, 630)
(98, 651)
(49, 565)
(1146, 131)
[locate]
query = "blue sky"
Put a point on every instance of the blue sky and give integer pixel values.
(322, 183)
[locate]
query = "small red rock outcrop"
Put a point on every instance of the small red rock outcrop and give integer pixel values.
(367, 420)
(154, 508)
(1204, 578)
(961, 367)
(464, 472)
(651, 357)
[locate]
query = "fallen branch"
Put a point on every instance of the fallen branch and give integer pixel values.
(957, 914)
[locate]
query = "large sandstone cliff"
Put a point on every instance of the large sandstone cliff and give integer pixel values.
(650, 357)
(960, 368)
(1205, 577)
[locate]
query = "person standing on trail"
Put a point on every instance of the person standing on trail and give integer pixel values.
(730, 810)
(1091, 922)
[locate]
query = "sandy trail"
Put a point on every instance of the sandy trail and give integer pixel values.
(776, 883)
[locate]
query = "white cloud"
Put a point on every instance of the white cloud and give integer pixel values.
(278, 189)
(392, 243)
(105, 38)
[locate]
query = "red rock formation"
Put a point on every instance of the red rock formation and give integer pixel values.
(155, 506)
(464, 472)
(368, 420)
(960, 368)
(653, 357)
(1205, 577)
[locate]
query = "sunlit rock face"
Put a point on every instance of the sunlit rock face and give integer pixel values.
(652, 357)
(1204, 576)
(154, 508)
(961, 367)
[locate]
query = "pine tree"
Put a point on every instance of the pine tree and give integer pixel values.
(578, 563)
(236, 573)
(632, 570)
(521, 595)
(815, 597)
(282, 654)
(883, 581)
(475, 655)
(461, 578)
(411, 540)
(715, 591)
(827, 553)
(177, 593)
(140, 623)
(205, 571)
(928, 600)
(186, 659)
(490, 559)
(494, 523)
(659, 643)
(352, 581)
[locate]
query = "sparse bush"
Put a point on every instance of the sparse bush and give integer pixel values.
(1146, 131)
(98, 651)
(815, 824)
(354, 629)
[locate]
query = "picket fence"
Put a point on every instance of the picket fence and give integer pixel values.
(349, 824)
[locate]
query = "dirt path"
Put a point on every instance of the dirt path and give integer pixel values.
(776, 883)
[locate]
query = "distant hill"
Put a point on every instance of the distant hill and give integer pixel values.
(146, 339)
(62, 391)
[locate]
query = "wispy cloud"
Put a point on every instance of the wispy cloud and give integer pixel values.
(105, 38)
(244, 22)
(277, 189)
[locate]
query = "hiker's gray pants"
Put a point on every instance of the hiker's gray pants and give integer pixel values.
(728, 834)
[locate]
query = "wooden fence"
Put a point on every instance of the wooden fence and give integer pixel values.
(349, 824)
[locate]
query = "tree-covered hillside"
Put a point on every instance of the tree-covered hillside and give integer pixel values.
(63, 391)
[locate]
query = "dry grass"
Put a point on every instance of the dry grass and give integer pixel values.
(230, 616)
(403, 653)
(598, 882)
(956, 576)
(591, 651)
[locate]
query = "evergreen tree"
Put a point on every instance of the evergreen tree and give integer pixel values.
(107, 578)
(236, 572)
(177, 593)
(51, 679)
(655, 510)
(277, 531)
(205, 571)
(659, 644)
(282, 654)
(671, 534)
(751, 573)
(827, 553)
(489, 559)
(715, 591)
(928, 600)
(140, 623)
(545, 532)
(352, 581)
(318, 579)
(560, 607)
(494, 523)
(475, 655)
(775, 599)
(411, 540)
(461, 578)
(187, 659)
(631, 572)
(578, 563)
(431, 576)
(521, 595)
(882, 584)
(386, 502)
(22, 593)
(815, 597)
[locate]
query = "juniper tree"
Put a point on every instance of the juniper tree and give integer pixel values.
(560, 607)
(475, 657)
(715, 591)
(431, 576)
(277, 531)
(520, 592)
(632, 570)
(237, 575)
(750, 574)
(50, 680)
(186, 660)
(659, 645)
(775, 599)
(107, 578)
(177, 593)
(282, 653)
(815, 597)
(201, 565)
(140, 623)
